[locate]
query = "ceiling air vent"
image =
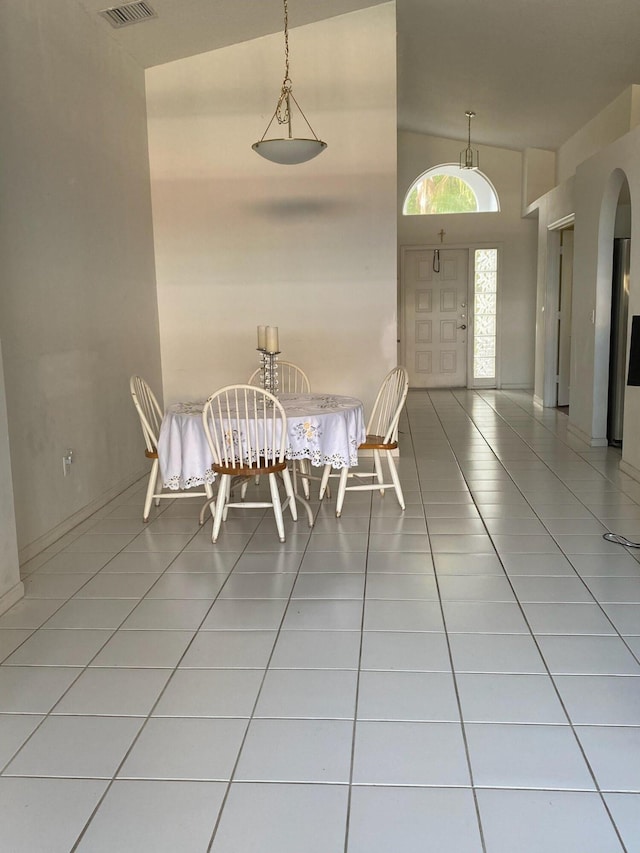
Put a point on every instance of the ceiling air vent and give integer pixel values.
(129, 13)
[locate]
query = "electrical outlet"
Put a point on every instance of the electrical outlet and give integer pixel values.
(67, 459)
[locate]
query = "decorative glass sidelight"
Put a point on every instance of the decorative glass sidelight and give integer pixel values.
(485, 311)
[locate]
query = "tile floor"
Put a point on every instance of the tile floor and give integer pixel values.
(463, 677)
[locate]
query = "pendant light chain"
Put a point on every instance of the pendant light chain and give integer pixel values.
(283, 108)
(288, 149)
(286, 41)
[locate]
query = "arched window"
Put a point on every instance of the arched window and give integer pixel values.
(449, 189)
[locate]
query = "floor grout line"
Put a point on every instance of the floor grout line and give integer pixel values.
(460, 421)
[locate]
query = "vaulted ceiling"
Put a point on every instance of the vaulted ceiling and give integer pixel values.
(534, 71)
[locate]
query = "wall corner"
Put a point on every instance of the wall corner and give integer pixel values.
(538, 176)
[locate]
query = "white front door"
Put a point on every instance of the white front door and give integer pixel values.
(436, 317)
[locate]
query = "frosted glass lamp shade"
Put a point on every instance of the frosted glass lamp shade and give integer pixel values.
(290, 151)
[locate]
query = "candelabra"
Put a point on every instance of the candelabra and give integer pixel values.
(269, 371)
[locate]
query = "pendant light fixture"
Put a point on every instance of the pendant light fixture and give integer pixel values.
(469, 158)
(289, 149)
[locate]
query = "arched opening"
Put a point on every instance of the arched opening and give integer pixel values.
(449, 189)
(618, 342)
(615, 220)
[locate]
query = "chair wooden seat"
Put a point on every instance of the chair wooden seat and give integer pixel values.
(377, 442)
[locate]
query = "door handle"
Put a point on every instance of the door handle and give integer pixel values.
(461, 327)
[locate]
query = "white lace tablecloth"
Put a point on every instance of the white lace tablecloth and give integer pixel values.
(324, 428)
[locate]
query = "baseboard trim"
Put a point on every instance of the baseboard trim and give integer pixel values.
(11, 596)
(583, 436)
(47, 539)
(630, 470)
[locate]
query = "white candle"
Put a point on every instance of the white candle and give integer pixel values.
(262, 337)
(272, 339)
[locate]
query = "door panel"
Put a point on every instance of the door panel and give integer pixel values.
(435, 309)
(423, 332)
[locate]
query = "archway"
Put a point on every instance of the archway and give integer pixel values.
(618, 347)
(615, 221)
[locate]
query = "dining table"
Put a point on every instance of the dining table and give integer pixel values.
(325, 429)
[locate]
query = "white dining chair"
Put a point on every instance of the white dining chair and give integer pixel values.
(150, 415)
(382, 438)
(292, 379)
(246, 429)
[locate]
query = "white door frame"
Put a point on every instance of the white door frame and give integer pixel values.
(470, 248)
(563, 387)
(550, 387)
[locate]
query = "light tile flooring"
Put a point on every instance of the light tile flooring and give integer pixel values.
(463, 677)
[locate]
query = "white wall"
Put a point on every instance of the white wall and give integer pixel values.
(617, 119)
(78, 309)
(11, 588)
(598, 183)
(241, 241)
(516, 237)
(538, 174)
(556, 205)
(593, 197)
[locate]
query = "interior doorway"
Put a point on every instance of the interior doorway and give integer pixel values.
(557, 308)
(565, 290)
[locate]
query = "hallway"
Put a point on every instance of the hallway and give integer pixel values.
(463, 677)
